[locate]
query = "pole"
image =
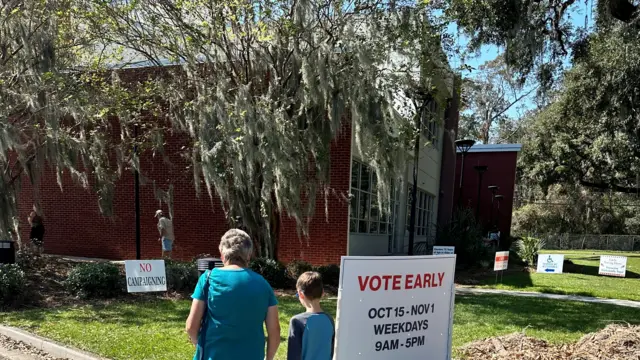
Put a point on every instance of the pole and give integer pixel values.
(480, 174)
(491, 219)
(414, 190)
(461, 177)
(136, 182)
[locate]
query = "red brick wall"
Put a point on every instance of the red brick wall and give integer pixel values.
(74, 225)
(327, 240)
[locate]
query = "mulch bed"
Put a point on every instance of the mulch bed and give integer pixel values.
(45, 278)
(615, 342)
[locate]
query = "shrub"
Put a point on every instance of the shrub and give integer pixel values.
(273, 271)
(28, 259)
(181, 276)
(91, 280)
(330, 274)
(527, 249)
(296, 268)
(466, 235)
(12, 284)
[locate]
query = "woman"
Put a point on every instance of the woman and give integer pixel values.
(230, 305)
(37, 231)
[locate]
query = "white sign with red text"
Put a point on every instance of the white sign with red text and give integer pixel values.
(501, 261)
(613, 265)
(145, 275)
(395, 307)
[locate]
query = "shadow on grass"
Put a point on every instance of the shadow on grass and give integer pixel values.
(548, 290)
(137, 312)
(571, 268)
(516, 279)
(543, 314)
(523, 279)
(128, 313)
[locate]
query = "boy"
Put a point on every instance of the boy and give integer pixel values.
(311, 334)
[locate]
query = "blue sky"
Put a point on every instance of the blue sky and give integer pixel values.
(488, 53)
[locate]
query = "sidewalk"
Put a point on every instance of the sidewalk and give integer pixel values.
(18, 344)
(478, 291)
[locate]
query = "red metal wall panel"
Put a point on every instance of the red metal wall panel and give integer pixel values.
(501, 172)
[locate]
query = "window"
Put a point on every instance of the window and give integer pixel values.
(430, 123)
(365, 215)
(424, 212)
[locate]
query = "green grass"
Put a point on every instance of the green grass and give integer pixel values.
(585, 282)
(154, 329)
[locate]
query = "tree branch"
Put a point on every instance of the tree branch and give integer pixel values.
(604, 186)
(513, 103)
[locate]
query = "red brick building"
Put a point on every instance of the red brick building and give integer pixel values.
(74, 225)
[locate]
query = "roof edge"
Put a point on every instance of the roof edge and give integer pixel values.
(480, 148)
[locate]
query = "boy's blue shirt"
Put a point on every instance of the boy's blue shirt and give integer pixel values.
(311, 337)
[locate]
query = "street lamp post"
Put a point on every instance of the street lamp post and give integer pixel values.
(499, 199)
(463, 147)
(494, 189)
(481, 169)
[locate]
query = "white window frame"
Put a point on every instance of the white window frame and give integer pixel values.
(424, 211)
(430, 126)
(367, 222)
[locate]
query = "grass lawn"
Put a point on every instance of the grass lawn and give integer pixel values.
(154, 329)
(584, 281)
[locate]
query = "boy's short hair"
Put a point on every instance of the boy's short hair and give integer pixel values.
(310, 284)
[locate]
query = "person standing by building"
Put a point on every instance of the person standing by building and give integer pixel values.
(167, 237)
(36, 235)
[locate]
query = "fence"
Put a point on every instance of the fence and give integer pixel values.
(591, 242)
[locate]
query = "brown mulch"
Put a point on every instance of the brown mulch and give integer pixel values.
(615, 342)
(46, 281)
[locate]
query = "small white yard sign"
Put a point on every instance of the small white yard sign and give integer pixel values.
(444, 250)
(501, 261)
(613, 265)
(145, 275)
(550, 263)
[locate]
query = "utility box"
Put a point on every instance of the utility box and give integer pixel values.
(7, 252)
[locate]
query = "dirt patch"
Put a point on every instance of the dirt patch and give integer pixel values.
(45, 281)
(615, 342)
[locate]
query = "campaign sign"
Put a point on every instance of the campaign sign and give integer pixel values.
(550, 264)
(397, 307)
(613, 265)
(444, 250)
(145, 275)
(501, 262)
